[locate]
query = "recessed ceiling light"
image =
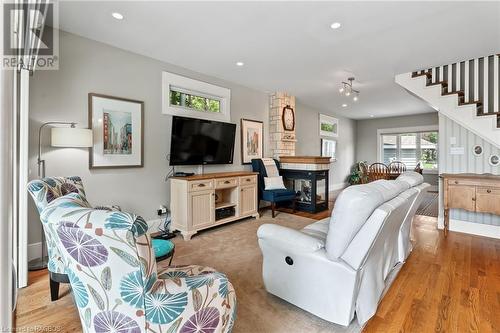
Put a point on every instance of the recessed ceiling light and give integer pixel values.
(240, 63)
(335, 25)
(344, 105)
(117, 16)
(371, 116)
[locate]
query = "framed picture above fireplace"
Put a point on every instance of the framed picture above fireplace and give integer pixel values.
(118, 132)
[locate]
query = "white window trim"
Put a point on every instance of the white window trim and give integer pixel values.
(400, 130)
(198, 88)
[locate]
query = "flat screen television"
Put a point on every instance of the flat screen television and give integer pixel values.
(199, 141)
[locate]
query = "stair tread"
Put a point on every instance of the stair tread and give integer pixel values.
(460, 93)
(444, 83)
(471, 102)
(496, 113)
(421, 74)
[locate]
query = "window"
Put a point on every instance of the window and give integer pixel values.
(187, 97)
(189, 100)
(411, 148)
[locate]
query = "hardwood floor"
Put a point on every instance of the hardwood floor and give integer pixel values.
(447, 285)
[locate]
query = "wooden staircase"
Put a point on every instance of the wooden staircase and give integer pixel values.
(467, 92)
(445, 91)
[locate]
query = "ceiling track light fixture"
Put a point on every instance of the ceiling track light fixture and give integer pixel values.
(347, 90)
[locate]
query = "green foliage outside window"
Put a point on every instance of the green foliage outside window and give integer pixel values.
(198, 103)
(327, 127)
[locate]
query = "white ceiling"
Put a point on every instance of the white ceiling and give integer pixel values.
(289, 46)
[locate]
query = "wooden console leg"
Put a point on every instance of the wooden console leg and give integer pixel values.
(187, 235)
(446, 221)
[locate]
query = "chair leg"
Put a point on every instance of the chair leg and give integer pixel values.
(54, 290)
(273, 206)
(294, 206)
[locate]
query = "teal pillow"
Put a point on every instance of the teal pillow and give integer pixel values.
(162, 247)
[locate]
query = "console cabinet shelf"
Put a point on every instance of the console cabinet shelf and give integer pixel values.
(478, 193)
(197, 200)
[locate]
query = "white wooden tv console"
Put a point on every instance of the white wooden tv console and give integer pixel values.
(195, 200)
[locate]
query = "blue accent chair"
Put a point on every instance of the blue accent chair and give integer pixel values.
(272, 196)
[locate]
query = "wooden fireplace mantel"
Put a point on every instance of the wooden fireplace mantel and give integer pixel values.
(305, 159)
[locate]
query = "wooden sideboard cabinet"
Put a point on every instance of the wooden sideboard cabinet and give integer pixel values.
(473, 192)
(199, 200)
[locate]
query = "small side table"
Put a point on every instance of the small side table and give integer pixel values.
(164, 249)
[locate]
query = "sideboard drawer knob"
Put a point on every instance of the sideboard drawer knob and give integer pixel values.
(488, 191)
(227, 182)
(456, 181)
(201, 185)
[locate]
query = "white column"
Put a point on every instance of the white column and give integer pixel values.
(485, 84)
(434, 78)
(23, 179)
(6, 198)
(441, 74)
(459, 79)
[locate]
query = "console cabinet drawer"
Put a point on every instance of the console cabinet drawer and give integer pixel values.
(248, 180)
(201, 185)
(226, 182)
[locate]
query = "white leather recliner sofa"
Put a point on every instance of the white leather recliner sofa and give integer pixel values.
(337, 267)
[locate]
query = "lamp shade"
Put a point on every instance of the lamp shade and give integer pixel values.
(71, 137)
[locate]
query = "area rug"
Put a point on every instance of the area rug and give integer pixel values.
(429, 205)
(234, 250)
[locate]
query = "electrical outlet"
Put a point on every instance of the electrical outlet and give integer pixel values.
(162, 210)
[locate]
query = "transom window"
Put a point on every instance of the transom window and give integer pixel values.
(411, 148)
(192, 100)
(186, 97)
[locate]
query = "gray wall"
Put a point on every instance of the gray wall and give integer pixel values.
(88, 66)
(309, 140)
(367, 135)
(465, 163)
(367, 131)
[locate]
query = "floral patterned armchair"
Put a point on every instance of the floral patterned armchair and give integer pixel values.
(43, 192)
(117, 288)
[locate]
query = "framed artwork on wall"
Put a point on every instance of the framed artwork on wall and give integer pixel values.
(118, 132)
(329, 149)
(252, 143)
(328, 126)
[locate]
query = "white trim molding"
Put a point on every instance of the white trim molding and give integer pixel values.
(478, 229)
(199, 88)
(338, 186)
(400, 130)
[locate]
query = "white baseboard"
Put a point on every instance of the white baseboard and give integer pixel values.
(34, 251)
(478, 229)
(338, 186)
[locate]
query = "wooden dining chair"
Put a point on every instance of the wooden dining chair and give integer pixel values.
(397, 167)
(378, 171)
